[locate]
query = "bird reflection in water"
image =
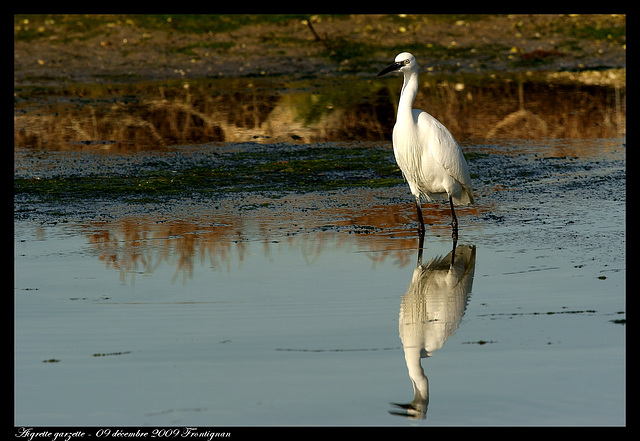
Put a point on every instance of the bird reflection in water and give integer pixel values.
(430, 313)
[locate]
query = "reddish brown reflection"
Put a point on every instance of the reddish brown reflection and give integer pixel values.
(138, 245)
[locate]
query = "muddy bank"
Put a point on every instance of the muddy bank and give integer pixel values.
(56, 49)
(204, 172)
(547, 187)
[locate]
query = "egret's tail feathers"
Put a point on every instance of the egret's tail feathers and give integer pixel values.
(466, 198)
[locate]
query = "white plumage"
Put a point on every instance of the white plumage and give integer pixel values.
(430, 312)
(426, 152)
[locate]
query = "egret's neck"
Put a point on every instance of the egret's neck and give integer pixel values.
(409, 92)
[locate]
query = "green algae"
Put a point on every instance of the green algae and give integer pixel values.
(281, 170)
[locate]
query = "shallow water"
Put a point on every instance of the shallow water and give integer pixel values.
(307, 309)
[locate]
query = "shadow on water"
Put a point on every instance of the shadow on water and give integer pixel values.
(430, 313)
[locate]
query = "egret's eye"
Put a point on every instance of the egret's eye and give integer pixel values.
(407, 61)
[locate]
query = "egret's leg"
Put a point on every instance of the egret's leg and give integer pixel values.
(421, 228)
(453, 251)
(420, 246)
(454, 221)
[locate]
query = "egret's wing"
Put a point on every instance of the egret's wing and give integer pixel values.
(444, 148)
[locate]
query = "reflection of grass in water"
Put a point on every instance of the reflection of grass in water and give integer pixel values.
(310, 107)
(154, 114)
(307, 169)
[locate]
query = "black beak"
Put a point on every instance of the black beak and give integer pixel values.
(390, 68)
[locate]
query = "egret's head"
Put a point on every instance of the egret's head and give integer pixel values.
(403, 62)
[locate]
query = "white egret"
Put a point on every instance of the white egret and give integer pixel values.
(426, 152)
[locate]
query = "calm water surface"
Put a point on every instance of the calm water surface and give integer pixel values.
(217, 316)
